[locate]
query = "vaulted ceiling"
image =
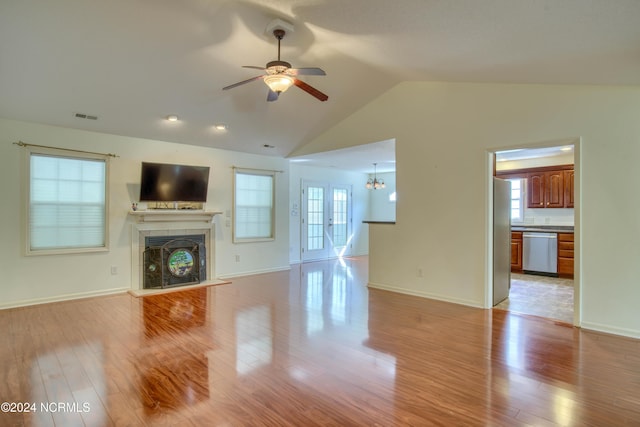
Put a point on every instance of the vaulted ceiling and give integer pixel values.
(132, 63)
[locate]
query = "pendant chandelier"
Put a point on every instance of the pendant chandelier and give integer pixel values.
(375, 183)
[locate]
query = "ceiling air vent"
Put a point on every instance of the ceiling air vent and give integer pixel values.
(86, 116)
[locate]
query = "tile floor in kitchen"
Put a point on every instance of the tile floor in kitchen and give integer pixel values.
(549, 297)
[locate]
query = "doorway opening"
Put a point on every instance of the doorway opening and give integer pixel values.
(542, 210)
(352, 167)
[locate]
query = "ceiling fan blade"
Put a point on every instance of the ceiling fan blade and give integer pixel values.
(310, 90)
(310, 71)
(255, 67)
(272, 96)
(242, 82)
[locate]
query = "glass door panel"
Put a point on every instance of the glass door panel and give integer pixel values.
(340, 220)
(314, 222)
(326, 220)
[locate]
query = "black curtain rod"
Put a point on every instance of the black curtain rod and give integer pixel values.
(24, 144)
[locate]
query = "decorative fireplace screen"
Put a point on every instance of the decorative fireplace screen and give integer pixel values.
(172, 261)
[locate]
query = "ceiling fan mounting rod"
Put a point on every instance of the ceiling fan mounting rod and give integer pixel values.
(279, 33)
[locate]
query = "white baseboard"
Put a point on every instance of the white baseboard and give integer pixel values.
(470, 303)
(608, 329)
(58, 298)
(253, 272)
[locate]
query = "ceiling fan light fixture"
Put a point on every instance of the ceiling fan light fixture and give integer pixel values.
(277, 67)
(278, 83)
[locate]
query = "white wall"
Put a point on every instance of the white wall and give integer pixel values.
(360, 203)
(443, 132)
(50, 277)
(552, 216)
(561, 159)
(380, 208)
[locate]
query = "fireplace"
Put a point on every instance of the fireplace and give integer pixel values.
(174, 261)
(171, 249)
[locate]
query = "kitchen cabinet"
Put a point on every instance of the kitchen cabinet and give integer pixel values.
(516, 251)
(568, 188)
(535, 190)
(547, 186)
(565, 255)
(546, 189)
(555, 189)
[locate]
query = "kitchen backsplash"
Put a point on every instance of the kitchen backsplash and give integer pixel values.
(548, 217)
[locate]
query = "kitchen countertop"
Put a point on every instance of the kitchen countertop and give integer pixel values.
(544, 228)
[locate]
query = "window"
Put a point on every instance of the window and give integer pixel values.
(254, 213)
(517, 199)
(67, 202)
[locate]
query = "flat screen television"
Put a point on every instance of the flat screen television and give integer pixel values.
(162, 182)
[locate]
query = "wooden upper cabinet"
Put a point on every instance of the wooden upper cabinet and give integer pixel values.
(547, 186)
(554, 187)
(550, 189)
(569, 192)
(535, 190)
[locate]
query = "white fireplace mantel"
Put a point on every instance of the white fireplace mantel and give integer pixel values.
(174, 215)
(163, 222)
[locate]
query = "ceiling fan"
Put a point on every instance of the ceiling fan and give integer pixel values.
(279, 75)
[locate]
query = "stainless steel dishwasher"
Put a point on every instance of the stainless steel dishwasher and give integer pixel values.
(540, 253)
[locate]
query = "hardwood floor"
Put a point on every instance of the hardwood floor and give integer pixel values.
(312, 346)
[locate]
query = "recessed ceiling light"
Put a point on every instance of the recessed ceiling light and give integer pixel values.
(220, 127)
(172, 118)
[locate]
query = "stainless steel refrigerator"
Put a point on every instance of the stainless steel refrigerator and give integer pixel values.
(501, 239)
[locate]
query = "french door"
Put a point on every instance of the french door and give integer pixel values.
(326, 220)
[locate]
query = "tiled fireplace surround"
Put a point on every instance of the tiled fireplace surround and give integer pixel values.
(150, 223)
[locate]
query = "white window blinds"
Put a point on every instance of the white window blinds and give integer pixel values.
(254, 205)
(67, 202)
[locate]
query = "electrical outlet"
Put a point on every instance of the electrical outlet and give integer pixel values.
(114, 270)
(419, 272)
(237, 258)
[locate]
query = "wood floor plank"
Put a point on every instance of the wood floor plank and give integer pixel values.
(313, 346)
